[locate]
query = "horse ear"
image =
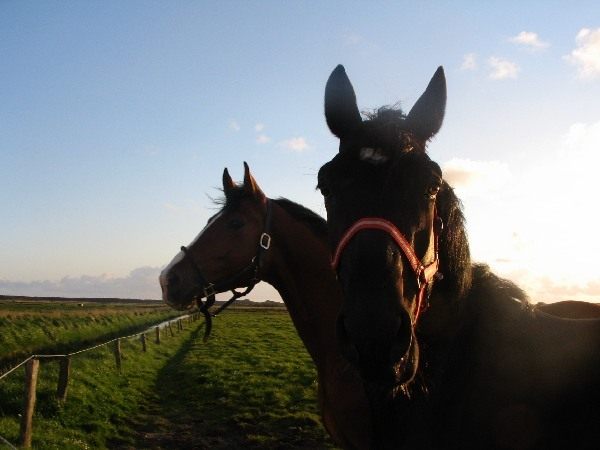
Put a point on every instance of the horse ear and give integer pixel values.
(228, 183)
(426, 116)
(341, 111)
(250, 184)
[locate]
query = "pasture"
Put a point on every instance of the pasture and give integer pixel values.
(31, 325)
(251, 385)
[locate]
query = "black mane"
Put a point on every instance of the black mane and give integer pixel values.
(387, 125)
(385, 115)
(455, 256)
(233, 198)
(312, 220)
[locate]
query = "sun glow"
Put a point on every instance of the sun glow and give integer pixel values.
(538, 226)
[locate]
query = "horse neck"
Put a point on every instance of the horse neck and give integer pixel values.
(299, 268)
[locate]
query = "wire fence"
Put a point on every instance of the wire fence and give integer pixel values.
(31, 372)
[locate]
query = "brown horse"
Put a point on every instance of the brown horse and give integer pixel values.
(296, 262)
(571, 309)
(452, 355)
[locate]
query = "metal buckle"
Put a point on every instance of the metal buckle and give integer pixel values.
(265, 241)
(210, 290)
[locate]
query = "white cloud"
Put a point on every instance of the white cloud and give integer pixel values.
(141, 283)
(582, 140)
(529, 40)
(234, 125)
(296, 144)
(538, 227)
(549, 289)
(476, 178)
(352, 39)
(469, 62)
(359, 43)
(586, 56)
(502, 68)
(263, 139)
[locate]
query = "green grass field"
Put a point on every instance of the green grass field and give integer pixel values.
(57, 327)
(252, 385)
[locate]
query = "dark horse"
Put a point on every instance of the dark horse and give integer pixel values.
(452, 356)
(283, 243)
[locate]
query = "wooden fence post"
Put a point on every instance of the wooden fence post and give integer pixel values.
(118, 354)
(171, 330)
(143, 338)
(31, 375)
(63, 378)
(157, 335)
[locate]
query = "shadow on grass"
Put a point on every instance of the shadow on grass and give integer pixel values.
(223, 395)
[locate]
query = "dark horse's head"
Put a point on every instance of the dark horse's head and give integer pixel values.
(386, 208)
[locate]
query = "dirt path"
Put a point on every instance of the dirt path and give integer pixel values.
(229, 394)
(159, 425)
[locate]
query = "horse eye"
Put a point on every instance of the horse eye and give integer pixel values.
(433, 191)
(235, 224)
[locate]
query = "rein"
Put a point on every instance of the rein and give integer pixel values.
(424, 274)
(210, 290)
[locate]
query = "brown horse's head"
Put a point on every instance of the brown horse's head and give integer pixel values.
(382, 185)
(224, 255)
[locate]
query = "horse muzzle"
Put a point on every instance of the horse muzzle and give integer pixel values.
(172, 292)
(388, 361)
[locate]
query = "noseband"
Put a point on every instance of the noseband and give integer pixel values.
(424, 274)
(211, 289)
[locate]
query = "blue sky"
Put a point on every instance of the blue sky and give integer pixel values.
(117, 119)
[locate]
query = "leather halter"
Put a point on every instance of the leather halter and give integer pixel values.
(211, 289)
(424, 274)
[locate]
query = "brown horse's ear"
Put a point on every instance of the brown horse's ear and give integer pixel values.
(228, 184)
(341, 111)
(250, 184)
(426, 116)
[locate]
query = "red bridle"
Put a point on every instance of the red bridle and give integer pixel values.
(424, 274)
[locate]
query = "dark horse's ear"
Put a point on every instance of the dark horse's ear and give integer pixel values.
(341, 111)
(426, 116)
(228, 183)
(250, 184)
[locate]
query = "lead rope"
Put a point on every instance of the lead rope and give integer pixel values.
(209, 293)
(204, 308)
(236, 295)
